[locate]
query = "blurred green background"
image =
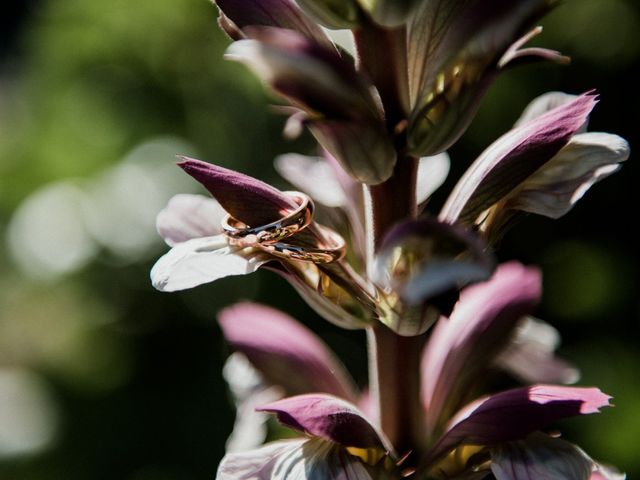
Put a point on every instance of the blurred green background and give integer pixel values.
(101, 377)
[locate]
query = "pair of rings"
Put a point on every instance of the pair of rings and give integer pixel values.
(269, 237)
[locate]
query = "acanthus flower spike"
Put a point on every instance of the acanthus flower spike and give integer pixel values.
(440, 317)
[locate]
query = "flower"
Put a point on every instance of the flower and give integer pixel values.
(543, 166)
(496, 433)
(439, 315)
(444, 55)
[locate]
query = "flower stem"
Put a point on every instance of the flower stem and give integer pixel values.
(394, 361)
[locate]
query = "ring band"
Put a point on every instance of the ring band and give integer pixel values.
(243, 235)
(332, 251)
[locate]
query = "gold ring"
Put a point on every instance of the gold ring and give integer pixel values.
(243, 235)
(332, 250)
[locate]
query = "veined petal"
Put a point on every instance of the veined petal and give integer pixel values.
(256, 464)
(320, 460)
(245, 198)
(362, 148)
(514, 414)
(530, 355)
(390, 13)
(540, 456)
(432, 173)
(314, 176)
(272, 13)
(454, 47)
(336, 14)
(188, 216)
(202, 260)
(463, 346)
(545, 103)
(284, 351)
(329, 418)
(556, 187)
(513, 158)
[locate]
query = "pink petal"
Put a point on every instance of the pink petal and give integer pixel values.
(271, 13)
(513, 158)
(463, 346)
(512, 415)
(284, 351)
(329, 418)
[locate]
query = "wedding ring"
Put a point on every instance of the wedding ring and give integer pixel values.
(244, 235)
(331, 250)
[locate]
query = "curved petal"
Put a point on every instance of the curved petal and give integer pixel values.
(543, 104)
(188, 216)
(271, 13)
(202, 260)
(284, 351)
(556, 187)
(540, 456)
(245, 198)
(256, 464)
(514, 157)
(329, 418)
(514, 414)
(463, 346)
(248, 390)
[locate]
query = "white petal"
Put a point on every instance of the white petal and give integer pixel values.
(540, 456)
(188, 216)
(202, 260)
(556, 187)
(432, 172)
(317, 459)
(249, 391)
(314, 176)
(255, 464)
(530, 355)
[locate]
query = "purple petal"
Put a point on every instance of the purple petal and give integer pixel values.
(284, 351)
(189, 216)
(329, 418)
(271, 13)
(463, 346)
(202, 260)
(513, 158)
(313, 77)
(545, 103)
(540, 457)
(245, 198)
(514, 414)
